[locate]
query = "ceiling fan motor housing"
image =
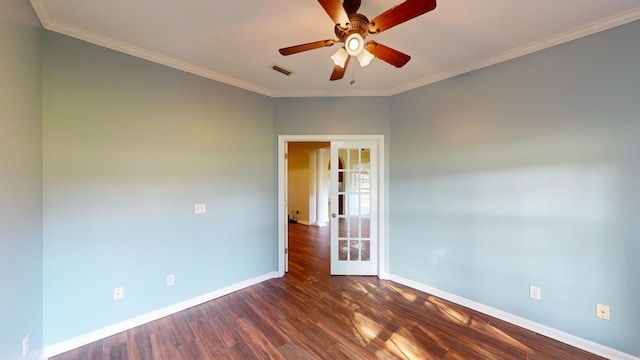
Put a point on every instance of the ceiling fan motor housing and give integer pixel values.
(358, 24)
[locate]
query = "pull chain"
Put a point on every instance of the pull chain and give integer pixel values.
(353, 77)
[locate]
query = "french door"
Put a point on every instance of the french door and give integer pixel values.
(354, 207)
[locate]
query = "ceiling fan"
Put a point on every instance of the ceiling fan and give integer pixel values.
(352, 28)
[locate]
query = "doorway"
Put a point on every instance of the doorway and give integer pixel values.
(284, 210)
(308, 183)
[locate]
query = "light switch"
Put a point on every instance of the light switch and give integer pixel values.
(200, 209)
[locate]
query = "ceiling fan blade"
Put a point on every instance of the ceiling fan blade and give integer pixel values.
(305, 47)
(338, 71)
(336, 11)
(387, 54)
(399, 14)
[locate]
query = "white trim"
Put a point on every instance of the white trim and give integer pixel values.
(110, 330)
(333, 93)
(52, 24)
(573, 34)
(382, 211)
(572, 340)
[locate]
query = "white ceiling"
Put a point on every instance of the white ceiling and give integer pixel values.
(237, 42)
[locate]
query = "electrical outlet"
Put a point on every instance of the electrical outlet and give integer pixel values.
(535, 292)
(25, 345)
(171, 279)
(118, 293)
(200, 209)
(603, 311)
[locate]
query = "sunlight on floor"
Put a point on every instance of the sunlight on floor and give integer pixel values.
(404, 347)
(496, 333)
(366, 328)
(409, 296)
(445, 309)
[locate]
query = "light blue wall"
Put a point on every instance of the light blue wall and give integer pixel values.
(332, 116)
(20, 180)
(129, 148)
(528, 172)
(522, 173)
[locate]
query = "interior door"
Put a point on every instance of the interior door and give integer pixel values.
(354, 208)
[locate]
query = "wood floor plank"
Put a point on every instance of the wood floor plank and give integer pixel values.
(262, 325)
(293, 350)
(241, 350)
(207, 333)
(118, 352)
(260, 344)
(163, 345)
(308, 335)
(309, 314)
(341, 352)
(139, 343)
(191, 350)
(180, 327)
(225, 330)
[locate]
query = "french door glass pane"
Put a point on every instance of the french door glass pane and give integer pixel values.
(366, 250)
(343, 250)
(354, 194)
(354, 253)
(342, 228)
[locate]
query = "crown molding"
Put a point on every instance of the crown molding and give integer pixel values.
(333, 93)
(573, 34)
(42, 12)
(48, 22)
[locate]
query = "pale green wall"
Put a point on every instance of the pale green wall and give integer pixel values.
(528, 172)
(20, 180)
(129, 148)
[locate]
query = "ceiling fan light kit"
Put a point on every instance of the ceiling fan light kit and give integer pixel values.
(354, 44)
(352, 28)
(340, 57)
(365, 57)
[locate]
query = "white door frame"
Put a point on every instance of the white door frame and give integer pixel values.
(282, 189)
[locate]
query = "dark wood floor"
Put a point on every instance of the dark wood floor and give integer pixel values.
(309, 314)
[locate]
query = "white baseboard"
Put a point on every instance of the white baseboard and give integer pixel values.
(42, 356)
(572, 340)
(99, 334)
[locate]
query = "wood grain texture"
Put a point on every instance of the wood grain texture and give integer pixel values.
(309, 314)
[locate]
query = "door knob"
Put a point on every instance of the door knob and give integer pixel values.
(333, 215)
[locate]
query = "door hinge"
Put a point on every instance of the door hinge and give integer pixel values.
(286, 156)
(286, 251)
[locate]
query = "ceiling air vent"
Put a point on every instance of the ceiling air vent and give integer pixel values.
(281, 70)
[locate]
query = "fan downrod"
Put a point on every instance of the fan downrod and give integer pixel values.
(351, 6)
